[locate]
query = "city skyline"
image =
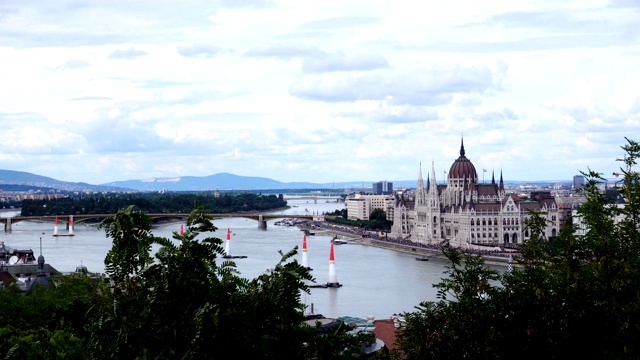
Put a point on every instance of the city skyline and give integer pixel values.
(335, 91)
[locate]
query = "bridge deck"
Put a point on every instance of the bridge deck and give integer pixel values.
(84, 217)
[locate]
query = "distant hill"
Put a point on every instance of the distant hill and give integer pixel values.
(23, 181)
(223, 181)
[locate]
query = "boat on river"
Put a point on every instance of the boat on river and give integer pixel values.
(338, 241)
(422, 258)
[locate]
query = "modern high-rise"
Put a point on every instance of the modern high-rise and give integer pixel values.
(382, 188)
(578, 182)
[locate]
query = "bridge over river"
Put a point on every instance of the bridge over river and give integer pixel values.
(323, 198)
(69, 221)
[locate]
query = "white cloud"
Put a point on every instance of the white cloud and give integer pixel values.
(198, 50)
(129, 54)
(303, 91)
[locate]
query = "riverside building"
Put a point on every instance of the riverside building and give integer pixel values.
(465, 212)
(360, 207)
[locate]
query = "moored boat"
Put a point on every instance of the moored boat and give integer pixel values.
(338, 241)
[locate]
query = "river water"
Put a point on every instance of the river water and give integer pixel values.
(375, 281)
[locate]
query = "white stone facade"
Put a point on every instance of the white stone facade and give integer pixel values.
(465, 212)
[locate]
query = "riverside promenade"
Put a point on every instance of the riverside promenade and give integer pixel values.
(433, 251)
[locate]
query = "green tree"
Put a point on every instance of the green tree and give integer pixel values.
(130, 232)
(50, 322)
(576, 296)
(378, 220)
(190, 303)
(187, 303)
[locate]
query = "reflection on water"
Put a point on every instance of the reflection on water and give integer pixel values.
(375, 281)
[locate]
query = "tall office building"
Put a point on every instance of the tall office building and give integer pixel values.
(382, 188)
(578, 182)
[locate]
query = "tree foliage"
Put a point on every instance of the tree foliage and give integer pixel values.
(576, 296)
(157, 203)
(50, 323)
(377, 220)
(186, 302)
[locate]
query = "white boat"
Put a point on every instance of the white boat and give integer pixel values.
(337, 241)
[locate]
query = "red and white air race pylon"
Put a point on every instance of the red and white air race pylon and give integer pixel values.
(333, 279)
(227, 243)
(181, 229)
(305, 260)
(70, 225)
(55, 227)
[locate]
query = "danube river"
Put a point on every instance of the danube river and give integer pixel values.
(376, 281)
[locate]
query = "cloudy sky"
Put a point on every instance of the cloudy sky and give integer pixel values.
(318, 91)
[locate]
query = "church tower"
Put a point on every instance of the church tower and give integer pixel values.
(419, 231)
(420, 189)
(433, 213)
(461, 180)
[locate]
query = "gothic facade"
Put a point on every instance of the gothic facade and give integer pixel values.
(465, 212)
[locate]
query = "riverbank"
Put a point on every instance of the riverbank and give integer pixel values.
(354, 236)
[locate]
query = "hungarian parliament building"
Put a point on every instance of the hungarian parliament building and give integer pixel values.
(464, 212)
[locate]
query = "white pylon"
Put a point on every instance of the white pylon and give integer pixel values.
(305, 260)
(227, 244)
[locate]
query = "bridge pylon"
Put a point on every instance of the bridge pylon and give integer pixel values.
(262, 223)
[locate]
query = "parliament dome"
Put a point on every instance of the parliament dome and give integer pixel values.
(463, 168)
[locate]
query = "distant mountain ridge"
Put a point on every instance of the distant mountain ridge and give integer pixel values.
(224, 181)
(9, 179)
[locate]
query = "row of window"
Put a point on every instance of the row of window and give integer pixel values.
(495, 235)
(510, 221)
